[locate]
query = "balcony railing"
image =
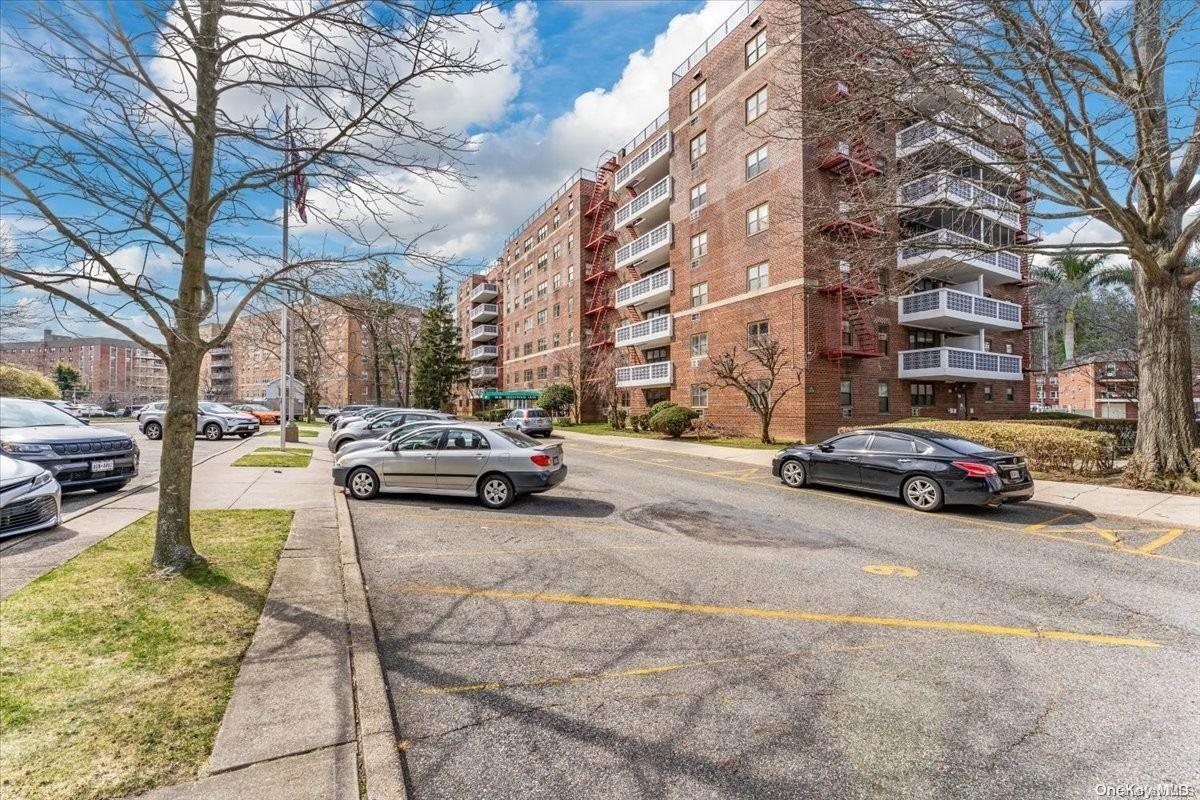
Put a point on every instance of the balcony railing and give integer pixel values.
(484, 373)
(649, 288)
(648, 131)
(641, 247)
(924, 134)
(954, 363)
(660, 373)
(657, 149)
(712, 41)
(944, 244)
(484, 352)
(955, 309)
(580, 174)
(959, 191)
(657, 193)
(483, 333)
(656, 330)
(484, 312)
(484, 291)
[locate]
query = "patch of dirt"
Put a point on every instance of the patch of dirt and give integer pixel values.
(717, 523)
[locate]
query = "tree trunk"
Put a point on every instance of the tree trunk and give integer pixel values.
(1166, 434)
(1069, 333)
(765, 436)
(173, 550)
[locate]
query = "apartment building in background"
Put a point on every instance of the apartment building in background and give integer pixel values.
(115, 372)
(693, 245)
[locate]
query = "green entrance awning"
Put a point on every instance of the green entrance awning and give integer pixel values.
(513, 394)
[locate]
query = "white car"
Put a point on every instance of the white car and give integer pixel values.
(30, 498)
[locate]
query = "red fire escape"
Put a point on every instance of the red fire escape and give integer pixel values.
(599, 269)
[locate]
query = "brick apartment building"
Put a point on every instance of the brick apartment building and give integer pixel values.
(115, 372)
(1101, 385)
(692, 245)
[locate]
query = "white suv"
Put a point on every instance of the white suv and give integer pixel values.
(213, 421)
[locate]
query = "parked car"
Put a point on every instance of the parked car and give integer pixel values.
(328, 413)
(264, 415)
(927, 469)
(78, 455)
(378, 426)
(65, 407)
(395, 434)
(495, 465)
(532, 421)
(30, 498)
(352, 413)
(213, 421)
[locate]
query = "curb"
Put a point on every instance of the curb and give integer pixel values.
(380, 764)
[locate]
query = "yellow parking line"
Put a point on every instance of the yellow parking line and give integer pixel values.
(1038, 526)
(1165, 539)
(505, 551)
(802, 616)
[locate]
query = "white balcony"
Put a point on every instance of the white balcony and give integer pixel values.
(649, 207)
(916, 138)
(484, 373)
(952, 310)
(484, 333)
(645, 376)
(651, 162)
(647, 333)
(957, 258)
(484, 292)
(956, 364)
(653, 290)
(648, 251)
(485, 312)
(485, 352)
(944, 189)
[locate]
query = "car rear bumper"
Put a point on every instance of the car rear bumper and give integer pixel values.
(531, 482)
(986, 492)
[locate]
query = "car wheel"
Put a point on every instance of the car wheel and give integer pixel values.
(212, 431)
(153, 431)
(363, 483)
(496, 491)
(923, 493)
(110, 487)
(792, 473)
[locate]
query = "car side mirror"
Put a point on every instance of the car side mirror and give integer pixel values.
(826, 448)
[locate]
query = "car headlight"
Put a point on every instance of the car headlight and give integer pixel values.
(43, 479)
(22, 449)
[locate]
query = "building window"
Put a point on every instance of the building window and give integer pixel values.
(570, 306)
(756, 48)
(570, 273)
(699, 96)
(541, 345)
(556, 342)
(756, 162)
(543, 232)
(556, 251)
(557, 281)
(541, 290)
(699, 195)
(919, 340)
(758, 277)
(528, 324)
(529, 297)
(570, 208)
(699, 396)
(541, 315)
(528, 271)
(1008, 393)
(699, 345)
(700, 244)
(528, 348)
(528, 245)
(699, 294)
(920, 394)
(756, 105)
(543, 373)
(884, 391)
(699, 145)
(757, 220)
(556, 311)
(655, 355)
(1008, 348)
(881, 333)
(758, 334)
(557, 218)
(570, 335)
(542, 261)
(528, 375)
(845, 398)
(570, 241)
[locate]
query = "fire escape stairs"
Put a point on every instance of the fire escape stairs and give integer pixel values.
(599, 241)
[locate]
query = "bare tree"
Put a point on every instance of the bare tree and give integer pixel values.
(155, 133)
(1092, 105)
(382, 300)
(763, 373)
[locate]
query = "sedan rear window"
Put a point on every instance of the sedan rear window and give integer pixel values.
(536, 413)
(964, 446)
(516, 437)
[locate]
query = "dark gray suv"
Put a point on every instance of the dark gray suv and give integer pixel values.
(78, 455)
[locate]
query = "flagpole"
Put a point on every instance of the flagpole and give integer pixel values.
(283, 316)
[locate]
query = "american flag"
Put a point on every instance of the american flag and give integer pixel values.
(299, 182)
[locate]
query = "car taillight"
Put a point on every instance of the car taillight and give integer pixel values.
(976, 470)
(541, 459)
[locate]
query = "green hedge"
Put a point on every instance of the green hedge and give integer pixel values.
(1125, 430)
(1047, 448)
(492, 414)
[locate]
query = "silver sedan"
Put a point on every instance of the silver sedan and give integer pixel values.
(30, 498)
(464, 460)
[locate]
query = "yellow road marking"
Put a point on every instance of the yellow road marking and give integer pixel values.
(736, 473)
(1165, 539)
(1038, 526)
(503, 551)
(890, 569)
(905, 509)
(1105, 534)
(802, 616)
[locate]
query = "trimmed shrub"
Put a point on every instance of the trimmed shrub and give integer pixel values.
(18, 382)
(1047, 448)
(1048, 415)
(492, 414)
(1125, 430)
(659, 406)
(674, 420)
(637, 422)
(556, 399)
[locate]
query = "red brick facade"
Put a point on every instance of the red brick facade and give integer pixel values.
(114, 371)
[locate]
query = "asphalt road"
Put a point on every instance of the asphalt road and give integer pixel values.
(684, 628)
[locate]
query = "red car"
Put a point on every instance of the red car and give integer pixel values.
(264, 415)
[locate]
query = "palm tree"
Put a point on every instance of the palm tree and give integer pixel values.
(1075, 274)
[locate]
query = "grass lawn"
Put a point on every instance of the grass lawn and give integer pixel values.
(743, 442)
(112, 680)
(309, 432)
(274, 457)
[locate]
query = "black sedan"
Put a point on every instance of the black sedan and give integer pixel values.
(76, 454)
(927, 469)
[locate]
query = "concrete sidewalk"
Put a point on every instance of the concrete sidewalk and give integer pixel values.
(1110, 501)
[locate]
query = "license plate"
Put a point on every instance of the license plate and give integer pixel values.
(102, 466)
(1014, 474)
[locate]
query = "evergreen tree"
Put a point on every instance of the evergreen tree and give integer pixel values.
(67, 378)
(438, 363)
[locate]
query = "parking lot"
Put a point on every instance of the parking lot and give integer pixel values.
(679, 627)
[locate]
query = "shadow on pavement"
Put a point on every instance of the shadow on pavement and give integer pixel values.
(530, 505)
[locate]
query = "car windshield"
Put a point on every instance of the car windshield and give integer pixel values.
(216, 408)
(516, 437)
(29, 413)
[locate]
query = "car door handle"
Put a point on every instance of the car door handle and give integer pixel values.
(904, 460)
(852, 458)
(429, 457)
